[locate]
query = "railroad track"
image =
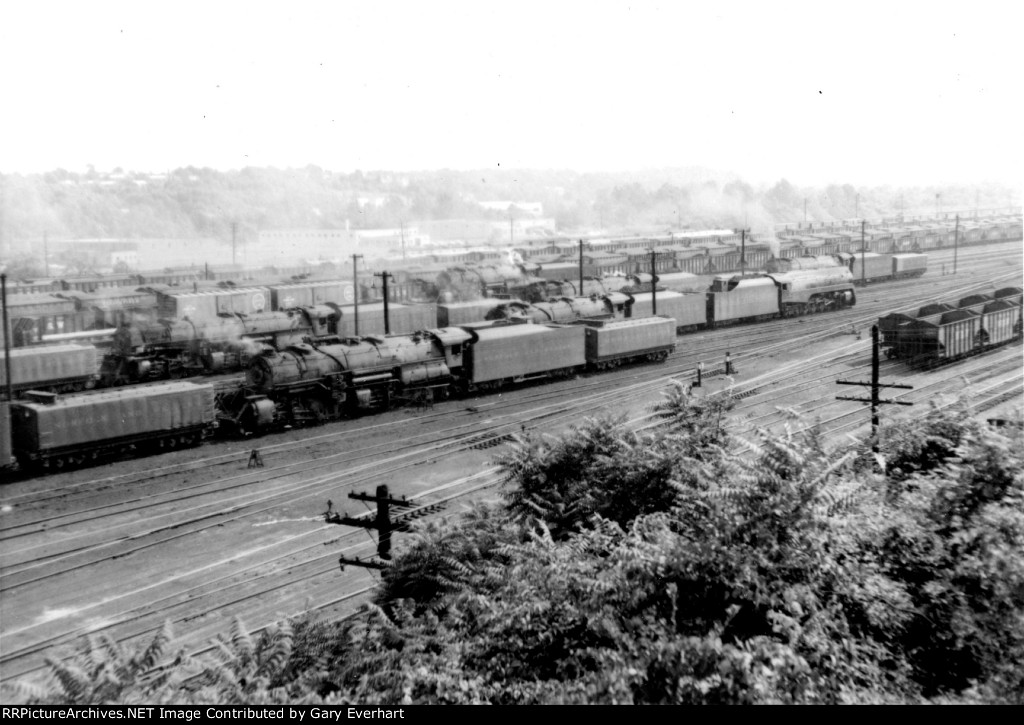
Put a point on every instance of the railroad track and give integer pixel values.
(250, 542)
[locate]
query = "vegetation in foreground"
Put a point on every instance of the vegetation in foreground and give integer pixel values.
(677, 565)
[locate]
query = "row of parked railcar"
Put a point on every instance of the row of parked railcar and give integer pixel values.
(866, 267)
(940, 333)
(214, 343)
(310, 383)
(61, 315)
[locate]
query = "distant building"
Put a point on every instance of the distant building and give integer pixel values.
(278, 246)
(98, 255)
(479, 231)
(172, 252)
(534, 208)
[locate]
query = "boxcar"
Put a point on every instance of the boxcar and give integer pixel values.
(33, 316)
(402, 319)
(909, 265)
(310, 294)
(207, 304)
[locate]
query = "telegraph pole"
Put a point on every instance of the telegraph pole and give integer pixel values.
(654, 294)
(743, 252)
(875, 386)
(7, 339)
(581, 267)
(956, 239)
(355, 293)
(383, 523)
(863, 273)
(384, 281)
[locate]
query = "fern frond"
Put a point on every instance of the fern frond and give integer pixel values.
(152, 654)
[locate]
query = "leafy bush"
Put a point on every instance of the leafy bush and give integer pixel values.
(659, 567)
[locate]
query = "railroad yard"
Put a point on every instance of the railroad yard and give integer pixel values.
(198, 537)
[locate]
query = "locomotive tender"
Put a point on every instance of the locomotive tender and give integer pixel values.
(53, 432)
(310, 383)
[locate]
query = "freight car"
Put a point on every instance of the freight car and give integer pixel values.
(51, 432)
(401, 319)
(941, 334)
(871, 267)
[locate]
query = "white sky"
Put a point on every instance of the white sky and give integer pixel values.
(894, 92)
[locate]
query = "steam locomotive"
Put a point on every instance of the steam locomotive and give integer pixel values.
(311, 383)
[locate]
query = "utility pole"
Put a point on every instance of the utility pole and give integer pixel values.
(654, 293)
(355, 291)
(382, 523)
(384, 282)
(875, 386)
(581, 267)
(956, 239)
(7, 339)
(743, 252)
(863, 272)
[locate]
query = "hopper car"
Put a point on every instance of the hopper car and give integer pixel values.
(945, 332)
